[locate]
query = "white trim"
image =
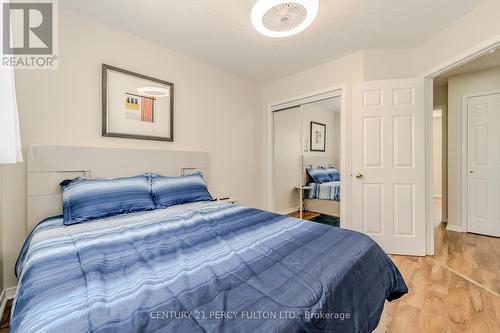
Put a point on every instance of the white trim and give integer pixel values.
(464, 218)
(464, 57)
(3, 302)
(429, 186)
(437, 113)
(306, 100)
(7, 294)
(444, 157)
(344, 164)
(289, 211)
(454, 62)
(456, 228)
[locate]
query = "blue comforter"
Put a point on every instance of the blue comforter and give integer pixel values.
(324, 191)
(201, 267)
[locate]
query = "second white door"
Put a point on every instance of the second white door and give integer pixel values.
(483, 185)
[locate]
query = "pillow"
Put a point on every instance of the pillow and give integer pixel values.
(334, 174)
(86, 199)
(169, 191)
(319, 175)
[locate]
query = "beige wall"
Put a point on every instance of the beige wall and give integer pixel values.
(459, 86)
(478, 26)
(440, 95)
(1, 229)
(437, 151)
(388, 64)
(215, 111)
(313, 112)
(440, 99)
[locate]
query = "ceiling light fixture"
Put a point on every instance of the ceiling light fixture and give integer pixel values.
(283, 18)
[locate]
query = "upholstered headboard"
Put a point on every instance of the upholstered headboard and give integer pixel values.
(47, 166)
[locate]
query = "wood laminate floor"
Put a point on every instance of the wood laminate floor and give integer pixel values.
(5, 318)
(475, 257)
(305, 215)
(440, 301)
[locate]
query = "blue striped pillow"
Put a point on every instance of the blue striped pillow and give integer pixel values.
(334, 174)
(86, 199)
(169, 191)
(319, 175)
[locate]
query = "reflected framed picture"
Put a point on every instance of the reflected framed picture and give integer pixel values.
(318, 136)
(136, 106)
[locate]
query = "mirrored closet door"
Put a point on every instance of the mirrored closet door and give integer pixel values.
(307, 157)
(287, 158)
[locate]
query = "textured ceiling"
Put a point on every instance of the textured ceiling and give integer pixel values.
(219, 32)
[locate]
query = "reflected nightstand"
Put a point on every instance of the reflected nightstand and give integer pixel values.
(301, 190)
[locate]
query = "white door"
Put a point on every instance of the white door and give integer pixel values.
(287, 161)
(484, 164)
(388, 149)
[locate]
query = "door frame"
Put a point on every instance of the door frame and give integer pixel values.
(465, 155)
(344, 142)
(444, 160)
(452, 63)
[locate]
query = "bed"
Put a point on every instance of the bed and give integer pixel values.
(200, 261)
(324, 191)
(198, 267)
(321, 197)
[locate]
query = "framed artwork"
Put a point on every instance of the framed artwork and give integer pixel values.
(318, 136)
(136, 106)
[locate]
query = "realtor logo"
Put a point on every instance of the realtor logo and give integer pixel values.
(29, 34)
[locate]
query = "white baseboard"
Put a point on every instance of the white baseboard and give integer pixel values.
(456, 228)
(7, 294)
(437, 222)
(288, 211)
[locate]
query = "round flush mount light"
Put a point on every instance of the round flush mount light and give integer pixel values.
(283, 18)
(153, 91)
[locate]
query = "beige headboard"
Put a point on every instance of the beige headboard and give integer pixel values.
(47, 166)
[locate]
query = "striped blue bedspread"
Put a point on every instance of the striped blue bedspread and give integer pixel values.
(324, 191)
(201, 267)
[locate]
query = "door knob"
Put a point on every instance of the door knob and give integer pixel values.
(359, 175)
(471, 171)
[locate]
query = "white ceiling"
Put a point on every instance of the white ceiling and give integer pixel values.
(219, 32)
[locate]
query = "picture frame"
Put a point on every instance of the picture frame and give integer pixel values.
(317, 137)
(136, 106)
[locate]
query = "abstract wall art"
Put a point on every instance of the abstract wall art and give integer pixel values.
(136, 106)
